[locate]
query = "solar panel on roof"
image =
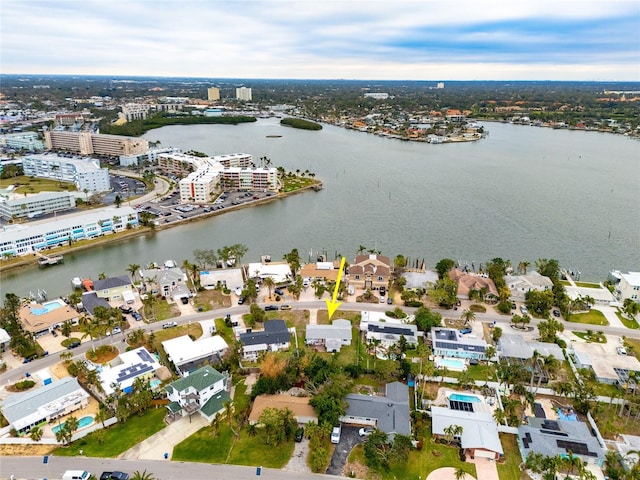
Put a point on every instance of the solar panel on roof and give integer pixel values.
(460, 406)
(133, 371)
(539, 411)
(144, 355)
(578, 448)
(555, 432)
(550, 425)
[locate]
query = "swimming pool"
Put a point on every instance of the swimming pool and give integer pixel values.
(83, 422)
(48, 307)
(461, 397)
(155, 383)
(452, 364)
(569, 417)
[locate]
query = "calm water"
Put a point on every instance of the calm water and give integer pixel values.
(522, 193)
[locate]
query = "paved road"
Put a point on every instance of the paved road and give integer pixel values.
(32, 467)
(16, 374)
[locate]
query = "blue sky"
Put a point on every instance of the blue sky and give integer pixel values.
(351, 39)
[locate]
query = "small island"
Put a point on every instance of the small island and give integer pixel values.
(299, 123)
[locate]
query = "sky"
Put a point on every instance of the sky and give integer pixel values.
(589, 40)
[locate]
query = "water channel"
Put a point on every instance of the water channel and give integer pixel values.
(522, 193)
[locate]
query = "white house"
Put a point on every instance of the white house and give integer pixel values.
(188, 355)
(204, 391)
(519, 285)
(332, 337)
(387, 330)
(124, 371)
(629, 286)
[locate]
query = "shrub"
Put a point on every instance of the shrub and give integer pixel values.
(24, 385)
(477, 308)
(413, 303)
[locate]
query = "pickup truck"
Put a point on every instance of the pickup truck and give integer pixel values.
(114, 476)
(169, 324)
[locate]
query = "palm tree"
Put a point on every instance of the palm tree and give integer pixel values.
(460, 473)
(361, 249)
(523, 265)
(102, 415)
(102, 276)
(468, 316)
(35, 434)
(133, 269)
(142, 476)
(269, 283)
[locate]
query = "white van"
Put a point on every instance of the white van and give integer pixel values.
(76, 475)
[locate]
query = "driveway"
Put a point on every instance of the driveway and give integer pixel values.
(348, 439)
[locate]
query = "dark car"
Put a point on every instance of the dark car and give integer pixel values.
(299, 434)
(73, 345)
(278, 291)
(114, 476)
(390, 301)
(241, 300)
(184, 300)
(126, 309)
(556, 313)
(383, 290)
(513, 306)
(136, 316)
(270, 307)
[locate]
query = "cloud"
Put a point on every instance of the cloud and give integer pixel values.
(329, 39)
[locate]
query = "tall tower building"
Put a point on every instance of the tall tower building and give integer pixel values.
(243, 93)
(213, 94)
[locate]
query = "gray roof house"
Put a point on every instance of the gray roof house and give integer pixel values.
(332, 337)
(449, 342)
(90, 301)
(204, 391)
(519, 285)
(479, 431)
(26, 410)
(273, 338)
(113, 288)
(559, 437)
(389, 413)
(515, 346)
(168, 282)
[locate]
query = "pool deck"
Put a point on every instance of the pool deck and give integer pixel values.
(483, 406)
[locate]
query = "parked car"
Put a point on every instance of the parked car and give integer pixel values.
(390, 301)
(136, 316)
(169, 324)
(270, 308)
(524, 310)
(556, 313)
(513, 305)
(241, 300)
(184, 300)
(278, 291)
(73, 345)
(466, 330)
(114, 476)
(621, 350)
(126, 309)
(383, 291)
(299, 434)
(366, 431)
(335, 434)
(116, 330)
(285, 307)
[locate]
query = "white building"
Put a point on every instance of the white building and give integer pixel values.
(27, 239)
(242, 160)
(377, 96)
(629, 286)
(84, 172)
(128, 367)
(213, 94)
(332, 337)
(24, 140)
(135, 111)
(32, 206)
(243, 93)
(519, 285)
(204, 391)
(255, 179)
(188, 355)
(280, 272)
(201, 185)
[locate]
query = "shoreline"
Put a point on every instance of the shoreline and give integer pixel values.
(29, 261)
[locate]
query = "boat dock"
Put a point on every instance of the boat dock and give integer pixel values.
(45, 261)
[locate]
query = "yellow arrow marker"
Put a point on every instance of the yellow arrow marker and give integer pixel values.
(333, 304)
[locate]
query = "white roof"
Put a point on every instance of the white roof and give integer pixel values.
(135, 363)
(479, 429)
(232, 277)
(632, 278)
(279, 272)
(598, 294)
(4, 336)
(182, 349)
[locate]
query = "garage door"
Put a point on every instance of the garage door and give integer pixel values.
(485, 453)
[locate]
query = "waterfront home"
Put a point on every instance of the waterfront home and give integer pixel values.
(168, 282)
(126, 368)
(204, 391)
(370, 272)
(273, 338)
(600, 295)
(479, 437)
(280, 272)
(299, 406)
(230, 278)
(320, 271)
(188, 355)
(113, 288)
(90, 300)
(628, 286)
(42, 318)
(560, 437)
(449, 342)
(388, 413)
(331, 337)
(28, 409)
(468, 282)
(519, 285)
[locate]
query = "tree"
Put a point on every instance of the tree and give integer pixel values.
(426, 319)
(142, 476)
(66, 328)
(445, 292)
(294, 261)
(631, 307)
(204, 258)
(269, 283)
(460, 473)
(239, 250)
(35, 434)
(102, 276)
(496, 334)
(133, 269)
(276, 425)
(443, 266)
(548, 267)
(522, 266)
(118, 201)
(549, 329)
(376, 450)
(468, 316)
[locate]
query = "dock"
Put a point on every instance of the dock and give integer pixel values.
(45, 261)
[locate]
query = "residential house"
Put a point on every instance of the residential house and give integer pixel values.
(323, 272)
(449, 342)
(389, 413)
(629, 286)
(472, 281)
(519, 285)
(560, 437)
(224, 277)
(113, 288)
(479, 437)
(607, 368)
(26, 410)
(126, 368)
(40, 319)
(332, 337)
(600, 295)
(299, 406)
(370, 272)
(90, 301)
(280, 272)
(515, 348)
(387, 330)
(188, 355)
(273, 338)
(204, 391)
(170, 283)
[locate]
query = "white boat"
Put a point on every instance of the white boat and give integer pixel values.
(76, 282)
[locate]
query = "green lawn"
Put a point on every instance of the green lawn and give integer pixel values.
(250, 450)
(162, 311)
(37, 185)
(591, 338)
(510, 469)
(205, 446)
(118, 438)
(592, 317)
(292, 183)
(627, 322)
(587, 285)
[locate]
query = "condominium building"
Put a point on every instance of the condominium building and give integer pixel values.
(250, 178)
(243, 93)
(199, 186)
(178, 164)
(213, 94)
(87, 143)
(26, 239)
(150, 156)
(135, 111)
(84, 172)
(32, 206)
(242, 160)
(24, 140)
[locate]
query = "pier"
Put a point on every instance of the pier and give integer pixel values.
(45, 261)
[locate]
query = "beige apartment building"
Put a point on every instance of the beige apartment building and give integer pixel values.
(213, 94)
(87, 143)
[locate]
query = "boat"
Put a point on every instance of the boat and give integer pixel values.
(274, 136)
(76, 282)
(45, 261)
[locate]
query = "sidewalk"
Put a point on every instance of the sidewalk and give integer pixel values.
(154, 447)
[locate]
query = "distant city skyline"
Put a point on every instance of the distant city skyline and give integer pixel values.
(569, 40)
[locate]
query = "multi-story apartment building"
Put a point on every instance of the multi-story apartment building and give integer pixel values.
(69, 119)
(243, 93)
(19, 206)
(135, 111)
(150, 156)
(250, 178)
(178, 164)
(25, 140)
(23, 240)
(213, 94)
(84, 172)
(87, 143)
(242, 160)
(199, 186)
